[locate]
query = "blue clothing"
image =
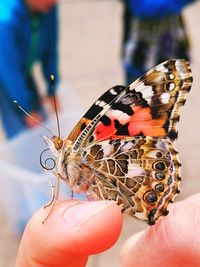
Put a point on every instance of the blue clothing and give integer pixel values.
(148, 9)
(26, 37)
(154, 31)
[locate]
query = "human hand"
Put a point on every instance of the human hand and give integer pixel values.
(173, 242)
(73, 231)
(64, 240)
(34, 121)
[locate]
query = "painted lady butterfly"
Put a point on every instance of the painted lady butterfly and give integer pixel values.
(123, 147)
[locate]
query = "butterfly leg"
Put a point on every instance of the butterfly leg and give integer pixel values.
(52, 194)
(54, 198)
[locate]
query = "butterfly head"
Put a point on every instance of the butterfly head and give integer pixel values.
(55, 144)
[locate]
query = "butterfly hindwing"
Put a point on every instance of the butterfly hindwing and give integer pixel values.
(141, 174)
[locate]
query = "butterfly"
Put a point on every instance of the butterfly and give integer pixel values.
(123, 150)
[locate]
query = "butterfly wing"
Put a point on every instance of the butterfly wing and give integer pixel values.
(141, 174)
(127, 141)
(94, 111)
(149, 106)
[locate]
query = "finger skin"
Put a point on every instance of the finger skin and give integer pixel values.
(73, 231)
(195, 199)
(173, 241)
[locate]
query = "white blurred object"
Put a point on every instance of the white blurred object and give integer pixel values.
(24, 186)
(68, 98)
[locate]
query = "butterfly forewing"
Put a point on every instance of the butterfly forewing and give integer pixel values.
(100, 105)
(149, 106)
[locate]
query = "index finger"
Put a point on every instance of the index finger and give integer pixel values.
(73, 231)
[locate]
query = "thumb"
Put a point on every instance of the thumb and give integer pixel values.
(73, 231)
(173, 241)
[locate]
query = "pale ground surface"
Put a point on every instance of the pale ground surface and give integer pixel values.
(90, 64)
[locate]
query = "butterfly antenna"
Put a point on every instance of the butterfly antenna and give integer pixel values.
(16, 103)
(52, 82)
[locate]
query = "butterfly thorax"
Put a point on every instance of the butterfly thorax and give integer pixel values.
(72, 170)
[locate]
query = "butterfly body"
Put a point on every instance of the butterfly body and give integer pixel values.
(123, 147)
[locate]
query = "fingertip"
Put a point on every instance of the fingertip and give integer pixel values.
(73, 231)
(94, 226)
(168, 243)
(194, 199)
(103, 230)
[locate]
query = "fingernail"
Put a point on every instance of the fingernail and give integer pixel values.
(81, 212)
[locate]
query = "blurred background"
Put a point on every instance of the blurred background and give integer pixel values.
(90, 41)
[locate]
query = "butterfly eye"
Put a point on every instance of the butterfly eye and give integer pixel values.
(150, 197)
(58, 143)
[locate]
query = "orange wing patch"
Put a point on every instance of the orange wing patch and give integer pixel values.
(143, 123)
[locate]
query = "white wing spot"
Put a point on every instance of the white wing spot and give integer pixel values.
(107, 150)
(171, 86)
(127, 146)
(171, 76)
(113, 92)
(100, 103)
(140, 86)
(117, 113)
(165, 98)
(147, 92)
(134, 170)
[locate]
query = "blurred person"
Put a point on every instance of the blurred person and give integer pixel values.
(28, 34)
(76, 229)
(154, 31)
